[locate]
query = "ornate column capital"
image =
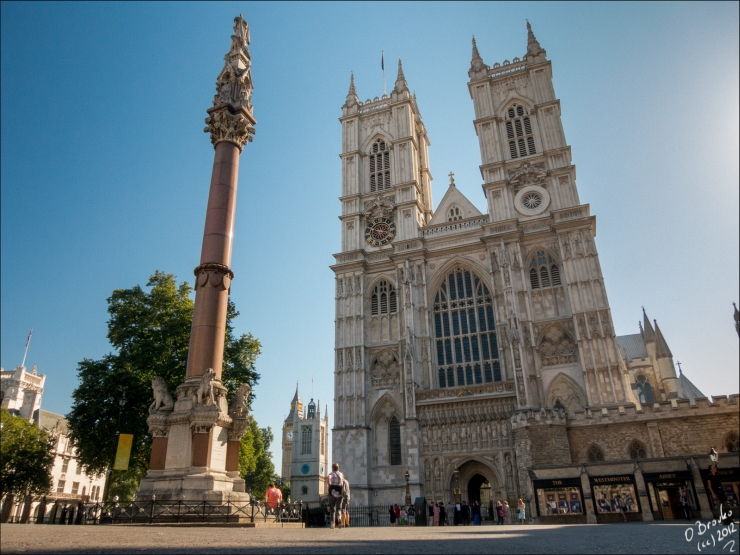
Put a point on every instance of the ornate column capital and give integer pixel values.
(230, 119)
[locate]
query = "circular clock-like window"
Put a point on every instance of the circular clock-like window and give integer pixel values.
(532, 200)
(305, 468)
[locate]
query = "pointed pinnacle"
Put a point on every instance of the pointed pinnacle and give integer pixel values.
(401, 85)
(476, 62)
(533, 45)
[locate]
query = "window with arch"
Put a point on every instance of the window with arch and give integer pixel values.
(454, 214)
(306, 433)
(519, 132)
(637, 450)
(543, 271)
(394, 441)
(732, 442)
(594, 453)
(383, 299)
(380, 166)
(465, 332)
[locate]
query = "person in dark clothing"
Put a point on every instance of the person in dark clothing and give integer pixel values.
(465, 509)
(442, 514)
(718, 495)
(392, 515)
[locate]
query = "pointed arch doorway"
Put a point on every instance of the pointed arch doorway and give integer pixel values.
(479, 490)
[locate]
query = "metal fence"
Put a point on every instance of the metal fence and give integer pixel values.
(181, 511)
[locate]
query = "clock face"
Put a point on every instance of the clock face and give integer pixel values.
(289, 435)
(380, 231)
(305, 468)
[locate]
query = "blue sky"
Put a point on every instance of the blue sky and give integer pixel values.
(105, 167)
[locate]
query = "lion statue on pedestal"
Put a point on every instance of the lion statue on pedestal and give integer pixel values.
(162, 398)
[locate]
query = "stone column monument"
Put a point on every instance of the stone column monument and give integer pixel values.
(195, 446)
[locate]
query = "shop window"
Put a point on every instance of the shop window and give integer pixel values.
(559, 500)
(614, 494)
(637, 450)
(595, 453)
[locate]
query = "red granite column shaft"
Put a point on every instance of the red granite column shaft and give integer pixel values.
(213, 276)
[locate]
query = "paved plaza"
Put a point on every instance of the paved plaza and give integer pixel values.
(643, 538)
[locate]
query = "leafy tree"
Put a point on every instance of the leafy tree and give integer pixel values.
(150, 331)
(25, 457)
(255, 459)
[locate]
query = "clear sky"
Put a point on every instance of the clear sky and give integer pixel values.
(105, 166)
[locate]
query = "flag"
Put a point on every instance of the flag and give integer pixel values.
(28, 339)
(382, 63)
(123, 453)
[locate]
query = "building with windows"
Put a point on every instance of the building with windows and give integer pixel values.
(21, 394)
(305, 450)
(476, 350)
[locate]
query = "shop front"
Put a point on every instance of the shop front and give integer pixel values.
(672, 495)
(559, 501)
(615, 498)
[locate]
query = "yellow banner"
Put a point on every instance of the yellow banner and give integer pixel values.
(123, 453)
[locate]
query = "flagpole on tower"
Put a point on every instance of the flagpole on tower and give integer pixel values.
(25, 350)
(382, 67)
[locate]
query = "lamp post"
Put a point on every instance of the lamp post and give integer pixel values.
(407, 500)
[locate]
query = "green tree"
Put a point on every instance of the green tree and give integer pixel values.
(25, 457)
(150, 332)
(255, 459)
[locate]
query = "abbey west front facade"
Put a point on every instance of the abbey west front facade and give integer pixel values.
(477, 351)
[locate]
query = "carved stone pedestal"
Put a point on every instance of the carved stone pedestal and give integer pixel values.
(195, 446)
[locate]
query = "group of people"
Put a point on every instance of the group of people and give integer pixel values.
(464, 514)
(402, 515)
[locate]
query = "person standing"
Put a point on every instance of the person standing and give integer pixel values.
(717, 492)
(273, 497)
(507, 512)
(431, 514)
(522, 511)
(345, 503)
(392, 515)
(334, 480)
(475, 509)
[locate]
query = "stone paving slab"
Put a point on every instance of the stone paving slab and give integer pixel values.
(643, 538)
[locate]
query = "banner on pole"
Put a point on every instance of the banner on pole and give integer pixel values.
(123, 453)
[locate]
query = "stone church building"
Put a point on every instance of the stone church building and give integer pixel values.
(476, 350)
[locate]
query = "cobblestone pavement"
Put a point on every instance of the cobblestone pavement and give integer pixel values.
(643, 538)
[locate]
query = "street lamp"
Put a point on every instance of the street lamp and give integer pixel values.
(407, 500)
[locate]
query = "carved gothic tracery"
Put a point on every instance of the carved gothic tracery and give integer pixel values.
(556, 346)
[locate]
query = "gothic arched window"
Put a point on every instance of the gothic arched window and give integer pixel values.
(637, 450)
(394, 441)
(543, 271)
(594, 453)
(380, 166)
(465, 332)
(383, 299)
(519, 132)
(306, 433)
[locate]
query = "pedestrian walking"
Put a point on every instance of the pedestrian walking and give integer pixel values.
(521, 511)
(334, 480)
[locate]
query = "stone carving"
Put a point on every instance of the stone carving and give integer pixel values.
(556, 346)
(230, 119)
(240, 401)
(385, 370)
(204, 394)
(162, 398)
(379, 207)
(217, 275)
(527, 174)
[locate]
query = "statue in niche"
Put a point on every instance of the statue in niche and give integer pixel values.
(644, 389)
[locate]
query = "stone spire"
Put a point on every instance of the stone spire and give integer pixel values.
(476, 62)
(231, 119)
(661, 347)
(535, 52)
(352, 99)
(401, 85)
(648, 333)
